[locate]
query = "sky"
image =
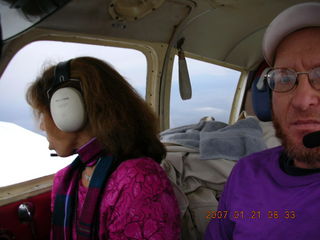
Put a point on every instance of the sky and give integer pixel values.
(213, 88)
(25, 155)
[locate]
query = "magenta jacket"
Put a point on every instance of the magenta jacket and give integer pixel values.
(138, 203)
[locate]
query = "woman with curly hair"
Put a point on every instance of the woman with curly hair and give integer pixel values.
(115, 188)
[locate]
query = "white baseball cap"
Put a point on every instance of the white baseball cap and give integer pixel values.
(288, 21)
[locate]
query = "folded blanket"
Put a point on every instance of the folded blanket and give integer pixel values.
(189, 135)
(232, 142)
(216, 140)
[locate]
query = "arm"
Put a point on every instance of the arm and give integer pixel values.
(145, 206)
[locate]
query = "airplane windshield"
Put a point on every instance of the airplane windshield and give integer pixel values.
(18, 16)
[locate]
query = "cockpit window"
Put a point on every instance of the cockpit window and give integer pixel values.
(213, 89)
(19, 15)
(24, 148)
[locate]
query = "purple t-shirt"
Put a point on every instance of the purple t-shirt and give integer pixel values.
(260, 201)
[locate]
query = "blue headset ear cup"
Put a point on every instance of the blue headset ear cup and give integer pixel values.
(68, 109)
(261, 101)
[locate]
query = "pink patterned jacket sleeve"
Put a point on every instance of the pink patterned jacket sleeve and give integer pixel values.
(139, 203)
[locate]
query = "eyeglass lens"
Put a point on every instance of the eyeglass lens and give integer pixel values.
(283, 80)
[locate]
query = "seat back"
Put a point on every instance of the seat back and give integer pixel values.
(198, 185)
(261, 95)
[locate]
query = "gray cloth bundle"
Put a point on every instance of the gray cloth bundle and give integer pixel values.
(216, 140)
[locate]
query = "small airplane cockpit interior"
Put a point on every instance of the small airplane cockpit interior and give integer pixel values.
(197, 64)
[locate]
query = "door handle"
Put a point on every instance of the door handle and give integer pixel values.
(26, 213)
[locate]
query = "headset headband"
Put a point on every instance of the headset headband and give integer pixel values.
(61, 75)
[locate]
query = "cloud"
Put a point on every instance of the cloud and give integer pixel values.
(211, 110)
(31, 158)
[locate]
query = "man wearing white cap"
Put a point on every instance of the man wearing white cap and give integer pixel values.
(275, 194)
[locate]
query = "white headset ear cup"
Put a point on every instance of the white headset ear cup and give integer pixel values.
(67, 109)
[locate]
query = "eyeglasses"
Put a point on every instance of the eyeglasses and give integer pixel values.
(284, 80)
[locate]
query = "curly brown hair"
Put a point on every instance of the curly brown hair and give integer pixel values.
(117, 116)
